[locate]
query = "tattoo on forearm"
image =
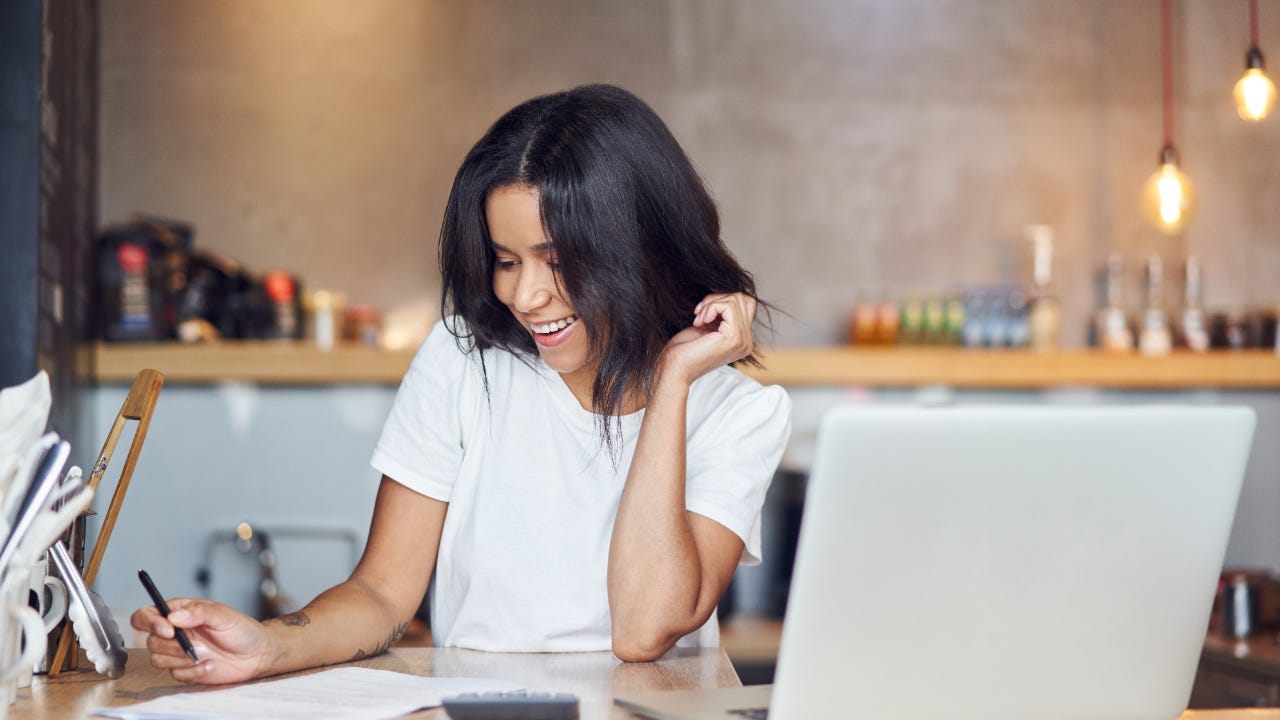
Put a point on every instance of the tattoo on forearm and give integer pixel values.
(384, 645)
(296, 619)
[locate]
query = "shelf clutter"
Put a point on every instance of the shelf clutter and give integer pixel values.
(301, 363)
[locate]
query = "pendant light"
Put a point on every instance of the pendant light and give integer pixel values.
(1255, 93)
(1168, 197)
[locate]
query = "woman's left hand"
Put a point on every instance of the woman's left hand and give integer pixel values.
(720, 334)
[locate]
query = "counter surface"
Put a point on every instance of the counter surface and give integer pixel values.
(593, 677)
(284, 362)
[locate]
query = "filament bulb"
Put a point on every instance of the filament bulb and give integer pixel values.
(1255, 94)
(1168, 197)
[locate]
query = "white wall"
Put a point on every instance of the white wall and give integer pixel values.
(278, 458)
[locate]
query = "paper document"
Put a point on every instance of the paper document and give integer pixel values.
(351, 693)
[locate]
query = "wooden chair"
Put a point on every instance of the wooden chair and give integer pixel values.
(138, 406)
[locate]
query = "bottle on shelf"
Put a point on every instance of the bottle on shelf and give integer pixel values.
(1193, 330)
(973, 334)
(888, 320)
(1269, 329)
(282, 292)
(955, 320)
(1111, 324)
(862, 325)
(935, 321)
(1017, 315)
(911, 324)
(1044, 315)
(1153, 336)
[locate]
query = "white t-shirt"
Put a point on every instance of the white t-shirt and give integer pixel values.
(533, 494)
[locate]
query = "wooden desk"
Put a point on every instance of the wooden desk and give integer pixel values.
(1238, 673)
(593, 677)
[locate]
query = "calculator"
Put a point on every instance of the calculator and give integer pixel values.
(518, 705)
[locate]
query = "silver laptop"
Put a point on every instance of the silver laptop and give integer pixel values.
(1000, 563)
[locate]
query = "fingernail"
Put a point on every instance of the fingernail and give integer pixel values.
(200, 650)
(208, 666)
(178, 615)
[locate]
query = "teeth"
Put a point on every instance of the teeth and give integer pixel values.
(554, 326)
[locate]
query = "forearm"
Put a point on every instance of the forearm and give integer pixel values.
(655, 577)
(349, 621)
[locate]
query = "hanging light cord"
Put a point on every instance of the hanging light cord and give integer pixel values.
(1253, 23)
(1166, 67)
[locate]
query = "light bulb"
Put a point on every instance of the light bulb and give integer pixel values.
(1168, 196)
(1255, 93)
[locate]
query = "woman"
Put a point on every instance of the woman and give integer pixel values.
(569, 452)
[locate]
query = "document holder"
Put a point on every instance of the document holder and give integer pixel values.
(138, 406)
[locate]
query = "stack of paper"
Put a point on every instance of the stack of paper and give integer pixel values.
(350, 693)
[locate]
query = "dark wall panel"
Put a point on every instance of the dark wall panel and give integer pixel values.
(48, 175)
(68, 198)
(19, 191)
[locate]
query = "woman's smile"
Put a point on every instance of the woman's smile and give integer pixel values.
(553, 333)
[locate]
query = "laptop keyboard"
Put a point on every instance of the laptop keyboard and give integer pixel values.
(752, 713)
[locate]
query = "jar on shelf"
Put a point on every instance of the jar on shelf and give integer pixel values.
(362, 325)
(324, 315)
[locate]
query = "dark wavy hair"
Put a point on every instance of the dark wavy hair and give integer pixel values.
(636, 234)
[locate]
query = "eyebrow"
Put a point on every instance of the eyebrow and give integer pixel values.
(540, 247)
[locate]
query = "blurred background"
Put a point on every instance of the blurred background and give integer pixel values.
(895, 157)
(853, 147)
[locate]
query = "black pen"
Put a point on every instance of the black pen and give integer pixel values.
(163, 607)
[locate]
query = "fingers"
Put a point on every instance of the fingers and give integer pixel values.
(167, 656)
(192, 612)
(198, 618)
(735, 313)
(193, 674)
(724, 306)
(181, 667)
(149, 620)
(184, 613)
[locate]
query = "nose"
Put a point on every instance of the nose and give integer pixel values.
(534, 288)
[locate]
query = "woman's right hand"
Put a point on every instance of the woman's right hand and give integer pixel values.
(232, 647)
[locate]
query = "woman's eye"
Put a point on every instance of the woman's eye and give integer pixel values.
(505, 264)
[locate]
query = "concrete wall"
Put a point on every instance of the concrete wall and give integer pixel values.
(854, 145)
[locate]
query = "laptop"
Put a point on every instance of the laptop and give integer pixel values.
(999, 563)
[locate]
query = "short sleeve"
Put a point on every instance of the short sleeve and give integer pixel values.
(422, 441)
(732, 454)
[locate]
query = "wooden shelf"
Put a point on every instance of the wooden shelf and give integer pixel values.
(301, 363)
(1019, 369)
(268, 362)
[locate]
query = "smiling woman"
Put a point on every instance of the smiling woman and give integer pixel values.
(590, 306)
(594, 178)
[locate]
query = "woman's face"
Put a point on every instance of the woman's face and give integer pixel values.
(525, 276)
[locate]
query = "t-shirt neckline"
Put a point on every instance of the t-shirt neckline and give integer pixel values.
(566, 397)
